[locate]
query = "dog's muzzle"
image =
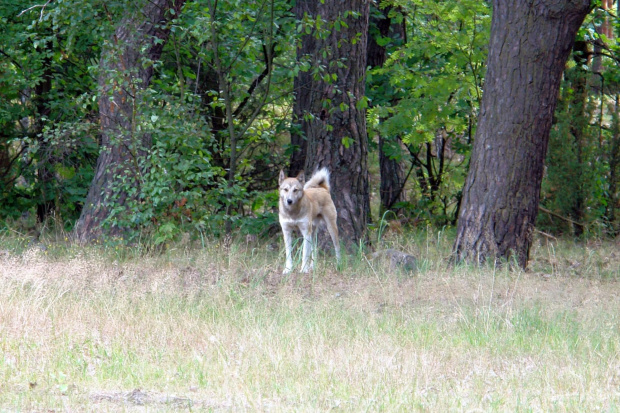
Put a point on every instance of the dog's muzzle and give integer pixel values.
(289, 201)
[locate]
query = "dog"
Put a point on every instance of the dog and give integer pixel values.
(306, 205)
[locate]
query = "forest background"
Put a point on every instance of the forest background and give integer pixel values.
(125, 121)
(140, 143)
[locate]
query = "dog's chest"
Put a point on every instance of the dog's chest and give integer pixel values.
(303, 224)
(287, 221)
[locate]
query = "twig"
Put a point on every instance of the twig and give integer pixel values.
(43, 6)
(544, 234)
(561, 217)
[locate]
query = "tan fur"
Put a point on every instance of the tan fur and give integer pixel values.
(306, 205)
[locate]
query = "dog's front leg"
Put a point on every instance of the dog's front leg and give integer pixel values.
(288, 243)
(306, 232)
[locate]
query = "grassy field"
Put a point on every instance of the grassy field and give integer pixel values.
(218, 328)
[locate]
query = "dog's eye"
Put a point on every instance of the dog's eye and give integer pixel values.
(285, 189)
(295, 190)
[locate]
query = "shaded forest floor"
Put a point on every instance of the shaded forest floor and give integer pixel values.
(220, 328)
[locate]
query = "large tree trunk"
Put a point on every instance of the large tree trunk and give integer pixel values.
(304, 88)
(530, 43)
(334, 126)
(125, 72)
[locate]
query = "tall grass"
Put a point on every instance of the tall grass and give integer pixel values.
(220, 328)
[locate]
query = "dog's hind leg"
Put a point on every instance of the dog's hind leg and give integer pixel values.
(315, 243)
(332, 228)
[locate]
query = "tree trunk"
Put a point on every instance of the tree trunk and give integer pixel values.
(613, 200)
(125, 72)
(393, 177)
(327, 108)
(392, 174)
(45, 174)
(530, 43)
(579, 124)
(304, 87)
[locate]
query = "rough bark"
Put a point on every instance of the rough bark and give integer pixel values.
(304, 88)
(123, 76)
(332, 123)
(530, 43)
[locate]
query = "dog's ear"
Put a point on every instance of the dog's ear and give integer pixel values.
(301, 177)
(282, 177)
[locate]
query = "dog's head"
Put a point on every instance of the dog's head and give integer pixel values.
(291, 189)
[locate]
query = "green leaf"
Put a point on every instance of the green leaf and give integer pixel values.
(347, 142)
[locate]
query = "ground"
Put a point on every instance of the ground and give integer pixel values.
(219, 327)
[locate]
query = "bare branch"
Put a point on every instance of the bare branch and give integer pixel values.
(570, 221)
(43, 6)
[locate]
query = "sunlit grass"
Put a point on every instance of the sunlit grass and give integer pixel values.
(219, 328)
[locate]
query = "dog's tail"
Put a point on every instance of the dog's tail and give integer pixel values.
(320, 179)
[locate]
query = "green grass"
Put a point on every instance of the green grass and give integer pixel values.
(220, 328)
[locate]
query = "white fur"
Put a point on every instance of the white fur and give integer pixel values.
(321, 174)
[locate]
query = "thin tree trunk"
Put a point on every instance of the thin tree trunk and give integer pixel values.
(530, 43)
(392, 174)
(579, 122)
(614, 172)
(125, 72)
(332, 122)
(393, 178)
(45, 175)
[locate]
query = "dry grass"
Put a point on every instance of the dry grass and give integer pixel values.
(221, 329)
